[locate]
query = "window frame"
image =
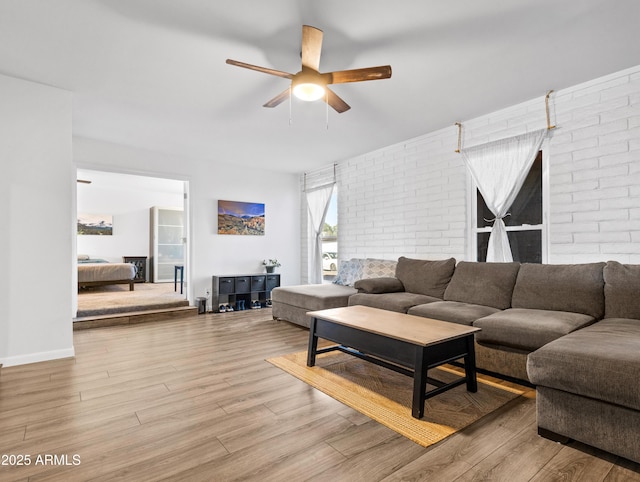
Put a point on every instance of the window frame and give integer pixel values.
(472, 209)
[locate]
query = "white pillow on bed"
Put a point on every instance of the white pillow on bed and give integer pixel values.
(83, 257)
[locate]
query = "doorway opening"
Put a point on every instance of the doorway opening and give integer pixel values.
(128, 202)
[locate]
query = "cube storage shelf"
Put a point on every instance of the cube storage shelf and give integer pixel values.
(239, 290)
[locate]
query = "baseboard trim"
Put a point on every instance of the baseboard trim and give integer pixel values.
(37, 357)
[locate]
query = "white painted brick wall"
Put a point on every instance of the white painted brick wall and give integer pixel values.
(599, 125)
(411, 198)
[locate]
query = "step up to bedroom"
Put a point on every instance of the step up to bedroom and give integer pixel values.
(98, 321)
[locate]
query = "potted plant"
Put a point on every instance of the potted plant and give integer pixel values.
(271, 264)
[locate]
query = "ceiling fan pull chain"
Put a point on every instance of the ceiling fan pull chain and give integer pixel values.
(326, 103)
(290, 118)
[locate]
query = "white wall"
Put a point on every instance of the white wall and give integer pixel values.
(209, 181)
(411, 198)
(36, 245)
(128, 199)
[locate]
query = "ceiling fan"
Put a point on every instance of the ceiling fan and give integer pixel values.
(309, 84)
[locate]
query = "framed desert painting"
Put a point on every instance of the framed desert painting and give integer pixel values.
(242, 218)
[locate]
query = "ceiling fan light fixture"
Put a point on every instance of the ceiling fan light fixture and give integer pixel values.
(309, 91)
(309, 84)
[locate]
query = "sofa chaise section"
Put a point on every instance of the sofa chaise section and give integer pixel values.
(587, 386)
(587, 381)
(292, 303)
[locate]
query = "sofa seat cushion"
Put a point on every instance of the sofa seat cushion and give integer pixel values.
(488, 284)
(577, 288)
(400, 302)
(453, 311)
(600, 362)
(528, 330)
(425, 277)
(313, 297)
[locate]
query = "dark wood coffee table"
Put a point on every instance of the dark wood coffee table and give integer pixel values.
(407, 344)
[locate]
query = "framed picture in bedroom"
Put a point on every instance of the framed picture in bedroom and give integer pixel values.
(241, 218)
(95, 224)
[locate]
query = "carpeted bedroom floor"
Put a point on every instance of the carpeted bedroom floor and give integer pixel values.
(104, 300)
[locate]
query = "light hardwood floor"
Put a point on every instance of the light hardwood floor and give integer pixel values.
(194, 400)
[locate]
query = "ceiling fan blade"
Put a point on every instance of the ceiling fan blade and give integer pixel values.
(266, 70)
(311, 47)
(278, 99)
(359, 75)
(336, 102)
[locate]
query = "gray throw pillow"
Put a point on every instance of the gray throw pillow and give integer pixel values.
(379, 268)
(425, 277)
(349, 271)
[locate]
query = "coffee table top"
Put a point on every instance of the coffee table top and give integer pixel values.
(417, 330)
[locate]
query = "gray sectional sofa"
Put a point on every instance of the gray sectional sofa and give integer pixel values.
(571, 330)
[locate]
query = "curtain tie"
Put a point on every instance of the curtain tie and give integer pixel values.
(494, 219)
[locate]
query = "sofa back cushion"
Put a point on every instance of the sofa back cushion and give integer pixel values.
(576, 288)
(425, 277)
(621, 290)
(488, 284)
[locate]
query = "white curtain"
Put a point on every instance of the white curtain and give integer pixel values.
(318, 202)
(499, 169)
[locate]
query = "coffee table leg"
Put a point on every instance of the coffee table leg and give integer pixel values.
(470, 366)
(313, 344)
(419, 383)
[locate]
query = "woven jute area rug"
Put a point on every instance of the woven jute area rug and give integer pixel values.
(385, 396)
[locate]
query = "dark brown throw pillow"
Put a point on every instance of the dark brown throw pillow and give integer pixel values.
(378, 285)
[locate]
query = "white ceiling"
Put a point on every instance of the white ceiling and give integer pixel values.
(152, 73)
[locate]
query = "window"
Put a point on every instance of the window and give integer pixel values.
(330, 240)
(525, 224)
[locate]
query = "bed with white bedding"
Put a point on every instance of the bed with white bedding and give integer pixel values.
(98, 272)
